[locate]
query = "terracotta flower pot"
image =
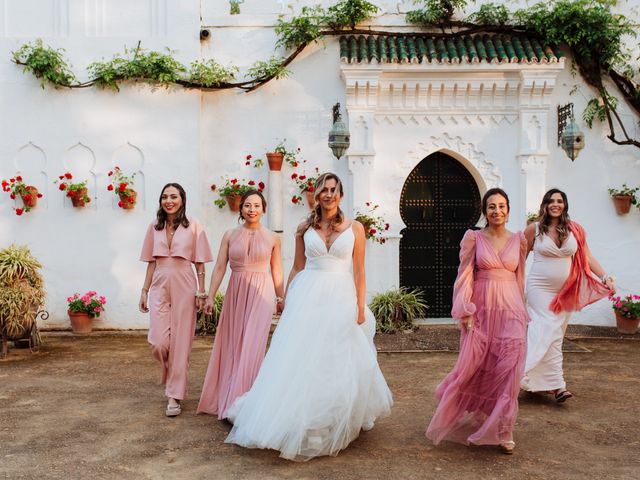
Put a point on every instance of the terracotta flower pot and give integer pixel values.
(128, 202)
(275, 160)
(77, 199)
(310, 199)
(626, 325)
(234, 202)
(622, 203)
(80, 322)
(30, 199)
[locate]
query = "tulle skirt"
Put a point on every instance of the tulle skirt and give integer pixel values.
(320, 383)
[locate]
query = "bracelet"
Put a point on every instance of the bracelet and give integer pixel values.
(279, 299)
(200, 273)
(201, 294)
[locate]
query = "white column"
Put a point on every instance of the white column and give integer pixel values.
(275, 205)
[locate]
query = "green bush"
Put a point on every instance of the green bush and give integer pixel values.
(208, 324)
(397, 309)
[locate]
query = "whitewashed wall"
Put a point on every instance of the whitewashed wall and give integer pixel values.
(194, 138)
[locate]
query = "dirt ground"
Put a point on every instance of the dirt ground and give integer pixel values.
(89, 407)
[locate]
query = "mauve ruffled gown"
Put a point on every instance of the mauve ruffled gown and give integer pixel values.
(243, 328)
(478, 400)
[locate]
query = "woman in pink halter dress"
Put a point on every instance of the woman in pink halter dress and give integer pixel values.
(241, 338)
(478, 400)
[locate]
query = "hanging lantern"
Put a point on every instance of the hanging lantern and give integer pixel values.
(572, 140)
(339, 134)
(570, 137)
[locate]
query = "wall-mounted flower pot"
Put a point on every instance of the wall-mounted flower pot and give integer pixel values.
(234, 202)
(310, 199)
(128, 202)
(622, 203)
(275, 160)
(78, 198)
(30, 199)
(625, 325)
(81, 322)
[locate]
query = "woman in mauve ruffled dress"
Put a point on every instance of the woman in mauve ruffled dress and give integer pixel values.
(478, 400)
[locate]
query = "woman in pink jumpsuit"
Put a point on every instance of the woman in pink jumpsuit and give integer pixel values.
(478, 400)
(241, 337)
(171, 292)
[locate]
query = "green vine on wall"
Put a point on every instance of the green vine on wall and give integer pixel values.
(588, 27)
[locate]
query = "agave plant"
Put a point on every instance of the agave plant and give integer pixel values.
(21, 290)
(397, 309)
(208, 324)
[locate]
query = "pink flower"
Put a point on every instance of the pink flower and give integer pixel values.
(87, 303)
(103, 300)
(97, 309)
(618, 305)
(70, 299)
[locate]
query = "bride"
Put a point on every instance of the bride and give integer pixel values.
(320, 383)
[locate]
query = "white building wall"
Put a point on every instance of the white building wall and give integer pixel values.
(194, 138)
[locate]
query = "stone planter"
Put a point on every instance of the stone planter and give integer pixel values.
(622, 203)
(625, 325)
(81, 322)
(275, 160)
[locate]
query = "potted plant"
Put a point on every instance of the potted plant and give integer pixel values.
(306, 187)
(374, 225)
(627, 310)
(281, 154)
(208, 324)
(397, 309)
(623, 198)
(21, 295)
(77, 192)
(232, 190)
(122, 186)
(16, 188)
(531, 217)
(82, 309)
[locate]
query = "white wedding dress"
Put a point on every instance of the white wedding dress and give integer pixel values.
(320, 382)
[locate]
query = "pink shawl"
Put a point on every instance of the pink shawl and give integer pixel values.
(581, 288)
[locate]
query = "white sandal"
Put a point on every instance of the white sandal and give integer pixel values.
(508, 447)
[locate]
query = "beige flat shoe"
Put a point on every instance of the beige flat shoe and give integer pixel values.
(173, 410)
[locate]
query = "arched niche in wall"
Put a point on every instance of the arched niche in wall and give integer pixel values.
(80, 161)
(31, 162)
(131, 161)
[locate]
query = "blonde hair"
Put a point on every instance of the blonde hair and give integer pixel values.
(315, 217)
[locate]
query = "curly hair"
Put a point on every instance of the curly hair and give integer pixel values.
(315, 217)
(545, 219)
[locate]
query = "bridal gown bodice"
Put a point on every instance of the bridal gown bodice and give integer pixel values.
(337, 258)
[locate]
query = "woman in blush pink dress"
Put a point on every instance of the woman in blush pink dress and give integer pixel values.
(478, 400)
(245, 320)
(172, 245)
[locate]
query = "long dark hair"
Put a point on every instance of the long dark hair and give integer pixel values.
(315, 217)
(181, 215)
(545, 220)
(246, 195)
(485, 200)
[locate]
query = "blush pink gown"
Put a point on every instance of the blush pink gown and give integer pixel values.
(172, 304)
(243, 329)
(478, 400)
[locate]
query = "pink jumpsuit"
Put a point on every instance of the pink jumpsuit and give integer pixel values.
(172, 299)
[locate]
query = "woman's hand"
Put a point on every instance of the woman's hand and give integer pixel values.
(143, 304)
(468, 322)
(280, 306)
(361, 318)
(200, 303)
(208, 305)
(610, 283)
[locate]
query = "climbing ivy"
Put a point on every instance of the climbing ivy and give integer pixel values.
(588, 27)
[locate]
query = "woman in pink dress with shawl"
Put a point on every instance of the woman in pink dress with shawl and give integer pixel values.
(478, 400)
(171, 292)
(256, 282)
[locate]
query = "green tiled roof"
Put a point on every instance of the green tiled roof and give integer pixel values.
(459, 49)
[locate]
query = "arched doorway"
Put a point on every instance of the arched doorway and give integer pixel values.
(439, 201)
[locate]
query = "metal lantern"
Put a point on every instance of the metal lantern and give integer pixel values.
(572, 140)
(339, 134)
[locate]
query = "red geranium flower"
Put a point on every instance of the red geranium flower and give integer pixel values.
(62, 186)
(12, 196)
(19, 178)
(213, 187)
(310, 188)
(248, 158)
(122, 187)
(68, 176)
(110, 188)
(302, 177)
(372, 231)
(110, 173)
(39, 195)
(386, 226)
(19, 211)
(247, 163)
(261, 186)
(294, 175)
(234, 181)
(252, 183)
(27, 198)
(12, 180)
(120, 204)
(294, 199)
